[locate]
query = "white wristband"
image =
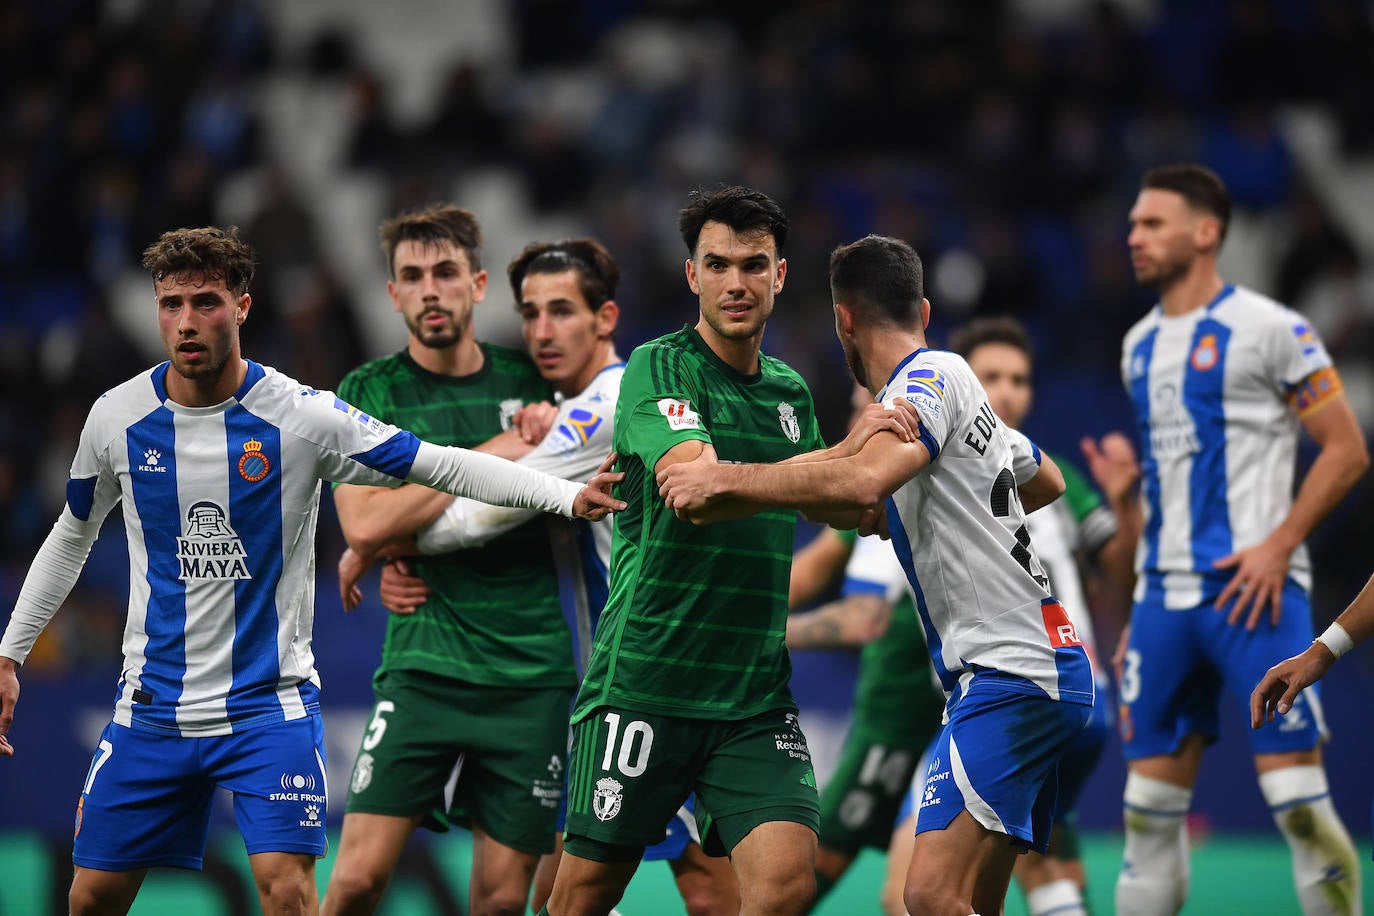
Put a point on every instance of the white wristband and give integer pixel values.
(1337, 640)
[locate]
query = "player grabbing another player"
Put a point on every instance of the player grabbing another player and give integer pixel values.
(1221, 378)
(1019, 682)
(217, 462)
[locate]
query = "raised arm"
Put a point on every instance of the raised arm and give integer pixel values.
(816, 565)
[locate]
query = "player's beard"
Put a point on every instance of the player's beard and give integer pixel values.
(1160, 277)
(436, 338)
(856, 363)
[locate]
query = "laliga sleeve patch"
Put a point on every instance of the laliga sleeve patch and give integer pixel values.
(679, 413)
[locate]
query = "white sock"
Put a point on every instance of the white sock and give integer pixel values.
(1326, 868)
(1154, 873)
(1057, 898)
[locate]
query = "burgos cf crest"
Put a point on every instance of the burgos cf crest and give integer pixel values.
(787, 419)
(607, 798)
(509, 408)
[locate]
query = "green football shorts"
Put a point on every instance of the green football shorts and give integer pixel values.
(507, 746)
(631, 771)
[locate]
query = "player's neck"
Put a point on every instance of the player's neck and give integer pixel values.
(462, 358)
(605, 356)
(883, 350)
(1193, 290)
(207, 392)
(739, 353)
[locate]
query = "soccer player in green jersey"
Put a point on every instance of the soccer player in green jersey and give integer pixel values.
(481, 672)
(687, 685)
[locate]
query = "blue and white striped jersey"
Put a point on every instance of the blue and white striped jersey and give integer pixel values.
(1218, 435)
(220, 506)
(960, 533)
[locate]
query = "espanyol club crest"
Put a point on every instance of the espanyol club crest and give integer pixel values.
(787, 418)
(1205, 354)
(607, 798)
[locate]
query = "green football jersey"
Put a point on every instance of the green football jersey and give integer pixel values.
(493, 617)
(696, 615)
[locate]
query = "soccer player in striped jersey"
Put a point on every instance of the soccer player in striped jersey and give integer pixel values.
(1019, 682)
(217, 462)
(1221, 378)
(565, 294)
(1070, 533)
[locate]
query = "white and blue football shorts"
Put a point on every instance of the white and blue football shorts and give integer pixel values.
(147, 795)
(1178, 662)
(998, 758)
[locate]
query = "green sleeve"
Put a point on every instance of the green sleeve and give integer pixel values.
(848, 536)
(658, 406)
(1079, 495)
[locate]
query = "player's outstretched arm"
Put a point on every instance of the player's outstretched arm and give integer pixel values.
(851, 622)
(1282, 683)
(706, 491)
(816, 565)
(1115, 469)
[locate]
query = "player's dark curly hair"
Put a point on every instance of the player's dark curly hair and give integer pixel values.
(597, 273)
(431, 226)
(202, 255)
(744, 210)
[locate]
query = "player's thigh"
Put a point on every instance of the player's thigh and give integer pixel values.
(145, 802)
(410, 746)
(998, 759)
(630, 772)
(277, 776)
(872, 778)
(1244, 656)
(757, 771)
(1168, 689)
(512, 779)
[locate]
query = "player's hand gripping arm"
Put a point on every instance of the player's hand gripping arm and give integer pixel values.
(1282, 683)
(835, 490)
(1260, 570)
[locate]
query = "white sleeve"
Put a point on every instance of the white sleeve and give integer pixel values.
(1025, 456)
(573, 449)
(54, 572)
(490, 479)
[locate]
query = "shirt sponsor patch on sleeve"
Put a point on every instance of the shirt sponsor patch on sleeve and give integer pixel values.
(1315, 391)
(679, 413)
(925, 388)
(366, 420)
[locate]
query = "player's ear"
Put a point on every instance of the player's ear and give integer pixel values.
(844, 319)
(242, 306)
(782, 275)
(925, 314)
(692, 283)
(479, 286)
(1207, 233)
(607, 315)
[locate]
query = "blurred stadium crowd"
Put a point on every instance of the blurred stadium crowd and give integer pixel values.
(1004, 139)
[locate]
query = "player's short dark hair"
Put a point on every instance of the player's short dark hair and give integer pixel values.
(597, 273)
(1197, 184)
(997, 329)
(204, 254)
(744, 210)
(431, 226)
(880, 278)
